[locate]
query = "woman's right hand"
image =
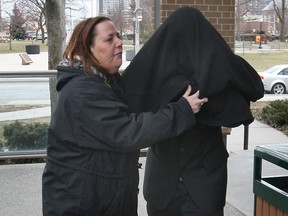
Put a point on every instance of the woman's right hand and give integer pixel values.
(194, 100)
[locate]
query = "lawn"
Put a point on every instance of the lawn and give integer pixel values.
(263, 60)
(20, 46)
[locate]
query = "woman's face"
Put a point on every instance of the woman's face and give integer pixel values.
(107, 46)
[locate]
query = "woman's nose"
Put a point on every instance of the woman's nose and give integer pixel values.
(119, 42)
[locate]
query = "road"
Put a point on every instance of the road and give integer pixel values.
(24, 91)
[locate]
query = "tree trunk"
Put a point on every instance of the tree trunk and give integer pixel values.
(282, 31)
(55, 16)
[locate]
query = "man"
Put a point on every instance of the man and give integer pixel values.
(187, 175)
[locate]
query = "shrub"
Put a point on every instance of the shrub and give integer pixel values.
(1, 145)
(23, 136)
(275, 113)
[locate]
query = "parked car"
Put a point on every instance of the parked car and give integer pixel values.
(275, 79)
(4, 39)
(19, 36)
(29, 35)
(39, 36)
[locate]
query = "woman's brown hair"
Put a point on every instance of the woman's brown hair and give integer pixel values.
(78, 48)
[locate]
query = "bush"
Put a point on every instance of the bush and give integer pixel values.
(23, 136)
(275, 113)
(1, 145)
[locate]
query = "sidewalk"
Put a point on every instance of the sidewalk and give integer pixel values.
(21, 184)
(13, 62)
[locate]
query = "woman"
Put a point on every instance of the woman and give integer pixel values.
(94, 141)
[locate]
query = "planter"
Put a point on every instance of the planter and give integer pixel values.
(32, 49)
(270, 192)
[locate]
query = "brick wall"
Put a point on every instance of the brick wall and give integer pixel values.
(219, 12)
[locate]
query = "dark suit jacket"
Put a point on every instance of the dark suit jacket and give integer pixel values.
(199, 157)
(186, 49)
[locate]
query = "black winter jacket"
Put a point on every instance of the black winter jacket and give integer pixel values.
(93, 135)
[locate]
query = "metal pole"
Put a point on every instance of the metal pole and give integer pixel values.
(137, 28)
(157, 14)
(260, 47)
(246, 136)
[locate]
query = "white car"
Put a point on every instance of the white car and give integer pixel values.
(4, 39)
(275, 79)
(39, 36)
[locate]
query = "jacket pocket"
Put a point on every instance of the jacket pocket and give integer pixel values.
(215, 158)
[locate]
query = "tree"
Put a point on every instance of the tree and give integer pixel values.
(17, 21)
(35, 13)
(55, 21)
(1, 19)
(118, 15)
(55, 16)
(280, 7)
(241, 8)
(146, 27)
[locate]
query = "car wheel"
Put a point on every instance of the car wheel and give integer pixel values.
(278, 88)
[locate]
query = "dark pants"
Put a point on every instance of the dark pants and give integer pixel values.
(66, 191)
(181, 205)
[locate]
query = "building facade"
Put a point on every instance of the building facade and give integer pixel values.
(106, 6)
(221, 13)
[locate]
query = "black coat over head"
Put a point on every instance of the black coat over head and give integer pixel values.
(186, 49)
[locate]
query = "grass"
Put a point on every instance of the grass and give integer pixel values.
(20, 46)
(262, 61)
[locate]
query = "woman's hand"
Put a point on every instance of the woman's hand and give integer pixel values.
(194, 100)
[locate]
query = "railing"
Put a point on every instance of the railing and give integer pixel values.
(43, 153)
(28, 74)
(14, 155)
(31, 154)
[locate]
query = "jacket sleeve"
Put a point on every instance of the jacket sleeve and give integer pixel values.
(107, 123)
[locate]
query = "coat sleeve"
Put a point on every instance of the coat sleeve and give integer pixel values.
(105, 122)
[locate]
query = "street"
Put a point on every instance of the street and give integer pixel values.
(24, 91)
